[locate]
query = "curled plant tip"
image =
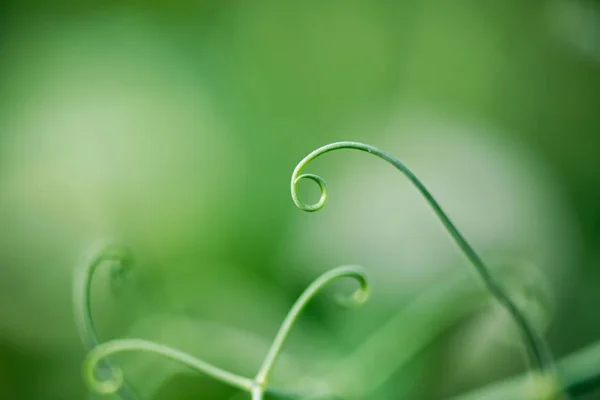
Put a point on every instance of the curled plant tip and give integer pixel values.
(121, 260)
(115, 381)
(355, 299)
(296, 178)
(359, 296)
(536, 347)
(105, 381)
(104, 378)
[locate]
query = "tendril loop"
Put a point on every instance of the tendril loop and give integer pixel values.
(358, 297)
(115, 381)
(121, 260)
(104, 385)
(538, 352)
(322, 186)
(103, 378)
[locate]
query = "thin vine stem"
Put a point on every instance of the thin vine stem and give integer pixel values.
(114, 383)
(359, 297)
(257, 387)
(121, 259)
(538, 352)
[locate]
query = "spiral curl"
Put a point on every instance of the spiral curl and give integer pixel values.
(257, 387)
(121, 260)
(536, 347)
(358, 297)
(115, 381)
(322, 187)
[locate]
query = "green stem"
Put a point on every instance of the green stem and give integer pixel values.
(538, 352)
(104, 252)
(257, 387)
(359, 296)
(114, 383)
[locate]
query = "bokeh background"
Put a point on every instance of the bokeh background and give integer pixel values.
(175, 125)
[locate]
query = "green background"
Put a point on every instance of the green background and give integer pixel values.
(175, 126)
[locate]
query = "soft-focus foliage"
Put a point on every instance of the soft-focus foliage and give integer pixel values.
(176, 125)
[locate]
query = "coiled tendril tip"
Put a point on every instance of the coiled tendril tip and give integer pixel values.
(538, 352)
(97, 365)
(120, 259)
(322, 187)
(114, 383)
(359, 296)
(102, 385)
(356, 299)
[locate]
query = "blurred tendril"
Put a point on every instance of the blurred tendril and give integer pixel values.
(539, 355)
(358, 297)
(120, 259)
(113, 381)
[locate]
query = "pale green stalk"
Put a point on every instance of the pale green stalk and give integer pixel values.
(359, 296)
(537, 349)
(257, 386)
(114, 383)
(120, 258)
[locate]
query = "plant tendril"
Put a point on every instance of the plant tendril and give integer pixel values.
(121, 259)
(538, 352)
(114, 383)
(359, 297)
(112, 379)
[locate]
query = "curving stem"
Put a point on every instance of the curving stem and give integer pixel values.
(358, 297)
(115, 381)
(122, 259)
(538, 352)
